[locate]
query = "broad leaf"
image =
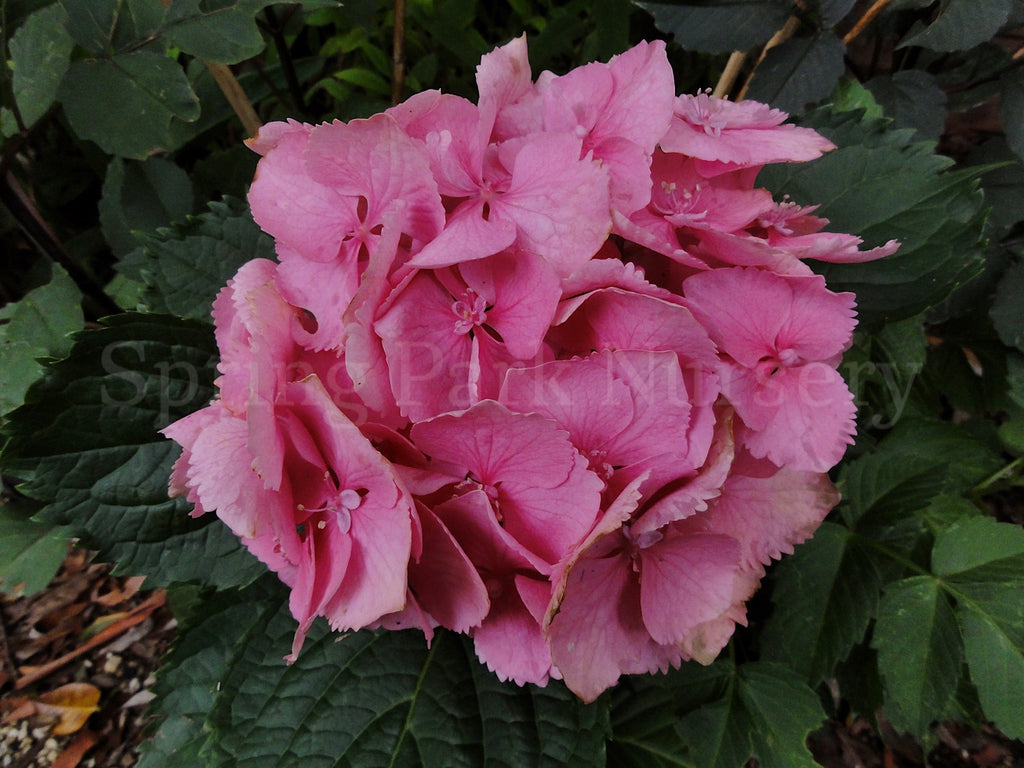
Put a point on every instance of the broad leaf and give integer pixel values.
(184, 267)
(97, 94)
(139, 197)
(91, 22)
(996, 662)
(767, 713)
(799, 72)
(40, 54)
(825, 595)
(880, 185)
(719, 27)
(916, 462)
(30, 551)
(38, 326)
(981, 563)
(227, 33)
(919, 652)
(1011, 109)
(86, 443)
(1008, 308)
(359, 699)
(962, 24)
(912, 99)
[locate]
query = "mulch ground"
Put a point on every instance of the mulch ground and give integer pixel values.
(77, 663)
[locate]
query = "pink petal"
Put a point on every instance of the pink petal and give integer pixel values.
(685, 581)
(444, 581)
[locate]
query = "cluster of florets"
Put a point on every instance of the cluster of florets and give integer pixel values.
(548, 369)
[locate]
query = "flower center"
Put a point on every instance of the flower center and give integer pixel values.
(470, 311)
(336, 504)
(704, 111)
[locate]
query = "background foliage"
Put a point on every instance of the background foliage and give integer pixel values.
(122, 182)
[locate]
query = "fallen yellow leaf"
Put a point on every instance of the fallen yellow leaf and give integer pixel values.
(71, 704)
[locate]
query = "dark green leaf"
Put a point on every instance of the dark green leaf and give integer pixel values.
(881, 186)
(358, 699)
(919, 652)
(186, 266)
(1008, 308)
(997, 668)
(1003, 183)
(799, 72)
(37, 326)
(40, 54)
(139, 197)
(91, 22)
(912, 99)
(86, 443)
(125, 103)
(216, 109)
(30, 551)
(720, 27)
(980, 550)
(961, 24)
(849, 95)
(981, 563)
(226, 34)
(834, 11)
(1011, 109)
(767, 713)
(825, 595)
(916, 462)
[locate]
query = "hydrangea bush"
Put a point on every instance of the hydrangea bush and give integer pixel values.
(513, 439)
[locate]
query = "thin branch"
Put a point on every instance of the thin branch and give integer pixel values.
(285, 55)
(236, 97)
(35, 228)
(866, 19)
(728, 79)
(398, 54)
(135, 616)
(788, 30)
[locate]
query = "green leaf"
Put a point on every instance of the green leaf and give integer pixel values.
(916, 462)
(825, 595)
(139, 197)
(37, 326)
(961, 24)
(125, 103)
(30, 551)
(184, 267)
(91, 22)
(358, 699)
(880, 185)
(799, 72)
(226, 34)
(1008, 307)
(767, 713)
(40, 54)
(719, 27)
(919, 652)
(86, 443)
(912, 99)
(1011, 109)
(850, 95)
(980, 550)
(981, 563)
(997, 669)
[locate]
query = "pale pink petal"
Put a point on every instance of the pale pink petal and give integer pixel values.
(802, 417)
(686, 580)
